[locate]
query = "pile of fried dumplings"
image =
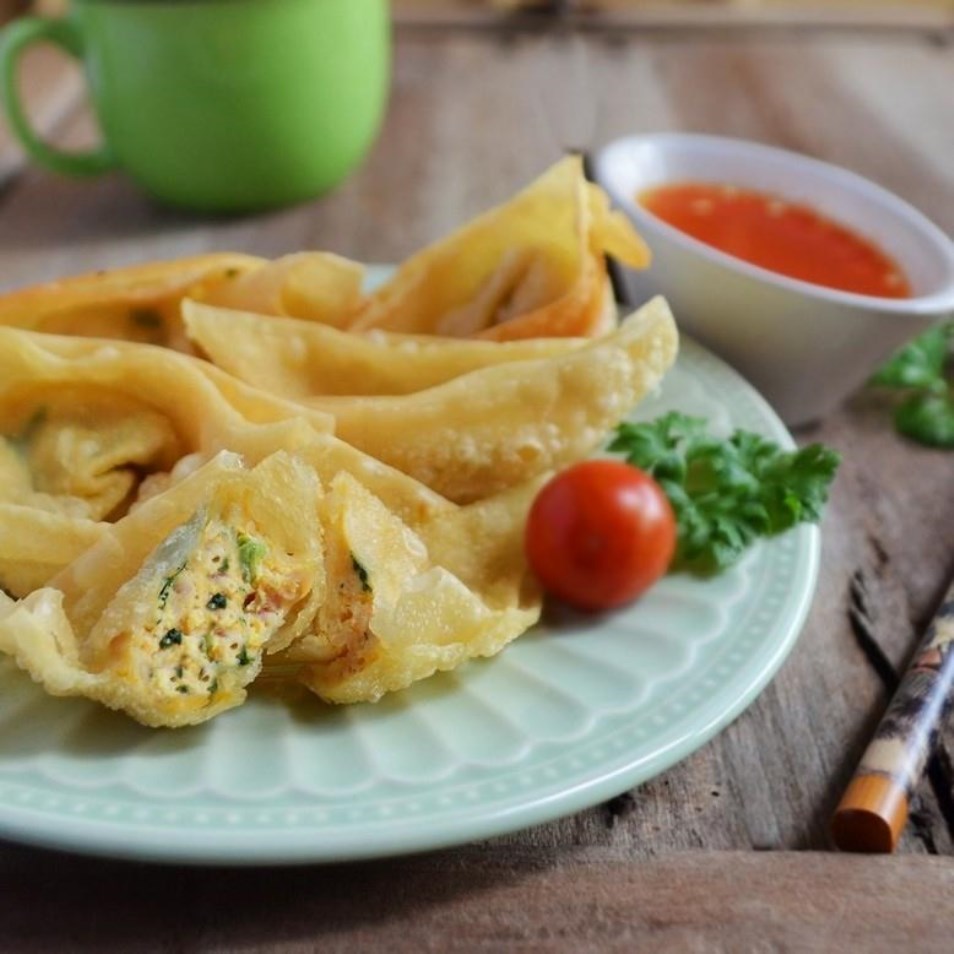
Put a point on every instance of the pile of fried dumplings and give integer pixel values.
(226, 468)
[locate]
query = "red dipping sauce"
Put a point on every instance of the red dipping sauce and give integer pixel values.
(781, 236)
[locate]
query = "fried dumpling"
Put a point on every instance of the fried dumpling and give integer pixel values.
(500, 426)
(300, 359)
(403, 603)
(36, 544)
(412, 582)
(135, 303)
(170, 613)
(84, 422)
(315, 286)
(81, 451)
(197, 398)
(533, 267)
(168, 616)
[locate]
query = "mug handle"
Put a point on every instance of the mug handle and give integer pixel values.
(14, 40)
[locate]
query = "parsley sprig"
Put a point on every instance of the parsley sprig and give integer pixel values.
(726, 493)
(922, 372)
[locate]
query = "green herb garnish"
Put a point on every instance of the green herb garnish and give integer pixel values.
(922, 372)
(251, 553)
(726, 493)
(166, 587)
(243, 657)
(172, 638)
(362, 574)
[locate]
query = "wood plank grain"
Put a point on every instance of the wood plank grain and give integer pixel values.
(477, 900)
(616, 15)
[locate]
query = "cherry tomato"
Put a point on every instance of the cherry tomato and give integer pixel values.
(599, 534)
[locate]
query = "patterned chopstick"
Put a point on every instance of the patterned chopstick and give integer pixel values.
(874, 808)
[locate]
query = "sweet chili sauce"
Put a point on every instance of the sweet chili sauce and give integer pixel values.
(781, 236)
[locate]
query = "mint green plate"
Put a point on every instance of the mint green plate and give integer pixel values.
(576, 711)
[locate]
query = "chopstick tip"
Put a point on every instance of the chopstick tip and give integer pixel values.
(871, 816)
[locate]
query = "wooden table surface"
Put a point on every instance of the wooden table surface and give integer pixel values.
(729, 850)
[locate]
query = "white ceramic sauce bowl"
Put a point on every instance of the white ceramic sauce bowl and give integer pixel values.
(805, 347)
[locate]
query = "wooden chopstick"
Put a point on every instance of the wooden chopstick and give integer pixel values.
(874, 808)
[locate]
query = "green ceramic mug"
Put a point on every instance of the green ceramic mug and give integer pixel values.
(220, 105)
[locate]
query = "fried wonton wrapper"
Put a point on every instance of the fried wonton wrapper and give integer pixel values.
(407, 584)
(136, 303)
(82, 422)
(413, 583)
(533, 267)
(403, 603)
(36, 544)
(300, 359)
(168, 616)
(315, 286)
(499, 426)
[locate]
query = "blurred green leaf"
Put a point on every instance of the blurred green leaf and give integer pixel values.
(922, 372)
(928, 419)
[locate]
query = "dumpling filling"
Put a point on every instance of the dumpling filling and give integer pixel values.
(213, 615)
(214, 612)
(168, 615)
